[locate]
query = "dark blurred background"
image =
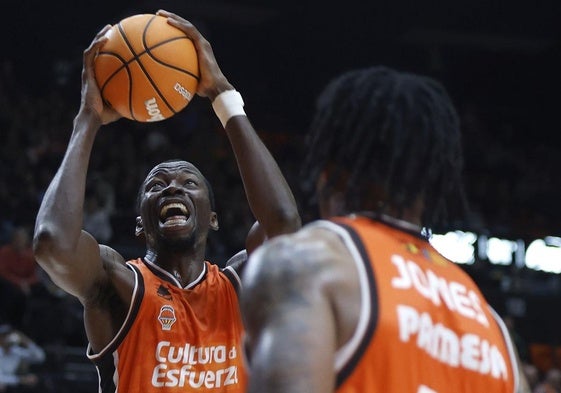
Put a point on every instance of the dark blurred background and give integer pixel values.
(500, 61)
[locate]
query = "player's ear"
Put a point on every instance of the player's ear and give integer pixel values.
(214, 221)
(139, 230)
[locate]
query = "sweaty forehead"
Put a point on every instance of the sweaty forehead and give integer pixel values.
(173, 167)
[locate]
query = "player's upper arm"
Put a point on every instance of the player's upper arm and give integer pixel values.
(290, 326)
(77, 270)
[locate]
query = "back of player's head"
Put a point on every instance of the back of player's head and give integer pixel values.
(390, 135)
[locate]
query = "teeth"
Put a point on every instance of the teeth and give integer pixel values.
(179, 206)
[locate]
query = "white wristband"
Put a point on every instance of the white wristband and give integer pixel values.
(228, 104)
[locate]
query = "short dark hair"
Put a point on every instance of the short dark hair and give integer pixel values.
(398, 131)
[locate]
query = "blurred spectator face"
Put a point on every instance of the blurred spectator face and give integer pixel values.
(20, 239)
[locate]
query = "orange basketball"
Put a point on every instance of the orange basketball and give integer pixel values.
(148, 70)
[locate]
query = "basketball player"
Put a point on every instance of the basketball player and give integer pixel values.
(169, 321)
(360, 301)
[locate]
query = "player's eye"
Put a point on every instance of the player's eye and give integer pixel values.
(156, 186)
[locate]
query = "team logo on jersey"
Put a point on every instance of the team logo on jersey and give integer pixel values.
(164, 292)
(412, 248)
(426, 253)
(167, 317)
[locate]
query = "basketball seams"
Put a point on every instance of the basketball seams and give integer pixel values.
(157, 60)
(149, 48)
(124, 64)
(119, 69)
(135, 57)
(143, 68)
(130, 46)
(130, 94)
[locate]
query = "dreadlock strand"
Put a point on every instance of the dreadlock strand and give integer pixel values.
(396, 130)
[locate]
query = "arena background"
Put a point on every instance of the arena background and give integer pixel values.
(499, 60)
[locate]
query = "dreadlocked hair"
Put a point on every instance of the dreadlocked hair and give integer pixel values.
(398, 132)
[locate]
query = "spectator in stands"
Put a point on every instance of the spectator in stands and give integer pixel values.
(98, 209)
(18, 275)
(17, 354)
(551, 382)
(532, 374)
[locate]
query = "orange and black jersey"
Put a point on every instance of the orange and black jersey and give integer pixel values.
(424, 326)
(177, 339)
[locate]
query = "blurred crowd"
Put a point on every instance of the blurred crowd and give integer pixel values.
(34, 128)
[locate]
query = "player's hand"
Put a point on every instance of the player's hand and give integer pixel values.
(212, 81)
(91, 95)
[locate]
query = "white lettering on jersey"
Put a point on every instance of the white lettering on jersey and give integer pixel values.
(178, 366)
(425, 389)
(455, 296)
(164, 376)
(189, 354)
(468, 351)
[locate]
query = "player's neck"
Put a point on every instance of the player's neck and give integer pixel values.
(401, 223)
(185, 268)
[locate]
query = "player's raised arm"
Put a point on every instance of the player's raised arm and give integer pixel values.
(268, 193)
(70, 256)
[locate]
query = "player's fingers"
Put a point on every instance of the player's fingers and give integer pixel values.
(102, 32)
(204, 49)
(167, 14)
(164, 13)
(182, 24)
(100, 36)
(99, 40)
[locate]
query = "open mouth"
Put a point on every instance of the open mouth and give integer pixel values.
(174, 212)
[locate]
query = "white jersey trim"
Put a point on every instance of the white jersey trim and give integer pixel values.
(345, 353)
(510, 347)
(89, 350)
(175, 280)
(234, 274)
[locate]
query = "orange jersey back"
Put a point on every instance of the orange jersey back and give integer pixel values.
(424, 327)
(177, 339)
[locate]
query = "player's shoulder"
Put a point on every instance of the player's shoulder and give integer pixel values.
(110, 257)
(117, 273)
(303, 253)
(115, 284)
(317, 238)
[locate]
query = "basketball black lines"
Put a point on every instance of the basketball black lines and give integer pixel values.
(147, 70)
